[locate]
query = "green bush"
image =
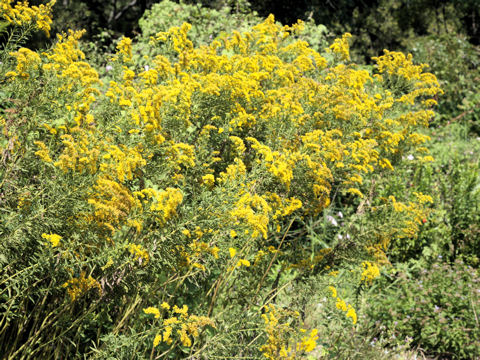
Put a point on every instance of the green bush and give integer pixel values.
(434, 307)
(456, 63)
(166, 211)
(208, 24)
(452, 179)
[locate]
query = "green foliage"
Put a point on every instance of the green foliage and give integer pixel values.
(208, 24)
(434, 307)
(456, 63)
(456, 187)
(451, 228)
(382, 24)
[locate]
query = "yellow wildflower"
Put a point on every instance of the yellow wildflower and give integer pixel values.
(152, 310)
(78, 286)
(333, 290)
(53, 238)
(157, 340)
(243, 262)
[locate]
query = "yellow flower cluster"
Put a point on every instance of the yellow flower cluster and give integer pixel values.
(78, 153)
(308, 343)
(397, 66)
(370, 272)
(413, 213)
(43, 152)
(22, 14)
(26, 60)
(112, 203)
(53, 238)
(124, 49)
(254, 210)
(342, 305)
(164, 203)
(280, 333)
(341, 47)
(79, 286)
(79, 79)
(234, 171)
(193, 254)
(180, 324)
(354, 129)
(122, 161)
(233, 253)
(139, 253)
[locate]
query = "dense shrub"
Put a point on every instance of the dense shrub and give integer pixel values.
(451, 228)
(456, 63)
(164, 209)
(207, 24)
(435, 308)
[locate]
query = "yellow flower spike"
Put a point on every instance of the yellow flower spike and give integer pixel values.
(171, 321)
(308, 344)
(165, 202)
(199, 266)
(370, 272)
(53, 238)
(257, 219)
(208, 180)
(152, 310)
(214, 251)
(27, 60)
(124, 49)
(243, 262)
(341, 47)
(183, 311)
(351, 314)
(78, 286)
(157, 340)
(43, 153)
(22, 14)
(108, 264)
(341, 305)
(232, 252)
(139, 253)
(333, 290)
(166, 335)
(184, 338)
(355, 192)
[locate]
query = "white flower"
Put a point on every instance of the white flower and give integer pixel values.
(108, 68)
(332, 220)
(146, 67)
(410, 157)
(340, 215)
